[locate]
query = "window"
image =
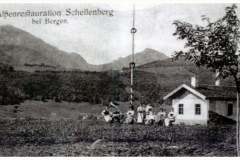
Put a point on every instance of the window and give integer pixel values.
(197, 109)
(230, 109)
(180, 109)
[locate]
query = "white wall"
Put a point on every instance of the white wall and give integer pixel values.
(220, 107)
(189, 100)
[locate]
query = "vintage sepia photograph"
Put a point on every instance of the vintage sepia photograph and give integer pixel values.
(129, 80)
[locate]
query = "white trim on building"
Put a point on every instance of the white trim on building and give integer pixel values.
(187, 88)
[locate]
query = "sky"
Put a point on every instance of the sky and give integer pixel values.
(101, 39)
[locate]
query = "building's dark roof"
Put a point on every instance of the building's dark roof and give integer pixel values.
(217, 92)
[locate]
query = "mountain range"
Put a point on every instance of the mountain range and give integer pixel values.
(155, 74)
(24, 51)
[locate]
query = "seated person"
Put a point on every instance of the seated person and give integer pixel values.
(107, 115)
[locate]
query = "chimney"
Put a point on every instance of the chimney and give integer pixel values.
(217, 78)
(194, 81)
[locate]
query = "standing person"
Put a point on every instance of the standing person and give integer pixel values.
(130, 116)
(140, 114)
(149, 114)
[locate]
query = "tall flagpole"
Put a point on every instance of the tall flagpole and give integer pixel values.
(132, 64)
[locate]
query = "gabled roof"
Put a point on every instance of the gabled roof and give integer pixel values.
(184, 86)
(207, 92)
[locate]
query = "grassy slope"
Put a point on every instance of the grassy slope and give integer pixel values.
(64, 138)
(48, 110)
(152, 82)
(53, 110)
(169, 74)
(78, 138)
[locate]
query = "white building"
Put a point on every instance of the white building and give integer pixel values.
(191, 104)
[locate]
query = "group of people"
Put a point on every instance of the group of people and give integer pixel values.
(145, 115)
(112, 113)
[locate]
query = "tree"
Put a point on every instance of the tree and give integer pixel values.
(215, 46)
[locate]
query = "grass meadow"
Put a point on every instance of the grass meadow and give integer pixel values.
(42, 129)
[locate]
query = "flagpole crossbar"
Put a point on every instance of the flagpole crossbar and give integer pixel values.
(133, 30)
(132, 64)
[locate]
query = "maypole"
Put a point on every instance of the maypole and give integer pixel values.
(132, 64)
